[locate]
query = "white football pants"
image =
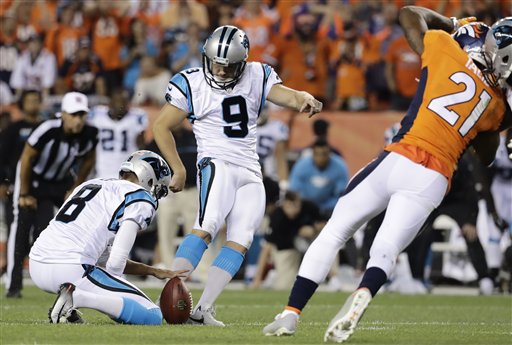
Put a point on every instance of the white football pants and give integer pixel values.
(408, 190)
(230, 193)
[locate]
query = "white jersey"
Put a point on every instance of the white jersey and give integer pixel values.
(117, 138)
(89, 219)
(224, 121)
(501, 187)
(269, 134)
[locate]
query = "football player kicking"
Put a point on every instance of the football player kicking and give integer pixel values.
(223, 101)
(456, 99)
(98, 224)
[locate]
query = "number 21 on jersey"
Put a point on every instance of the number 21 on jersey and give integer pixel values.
(440, 105)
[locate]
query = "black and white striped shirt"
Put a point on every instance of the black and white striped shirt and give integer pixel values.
(58, 151)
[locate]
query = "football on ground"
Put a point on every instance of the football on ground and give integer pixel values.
(175, 301)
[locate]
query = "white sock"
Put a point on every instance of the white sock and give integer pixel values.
(288, 312)
(182, 264)
(216, 282)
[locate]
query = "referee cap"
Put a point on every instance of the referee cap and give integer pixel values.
(73, 102)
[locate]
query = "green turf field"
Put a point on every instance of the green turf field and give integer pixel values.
(390, 319)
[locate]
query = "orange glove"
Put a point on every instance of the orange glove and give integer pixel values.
(457, 23)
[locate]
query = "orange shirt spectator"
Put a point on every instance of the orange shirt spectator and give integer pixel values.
(5, 5)
(180, 13)
(350, 81)
(302, 65)
(350, 74)
(405, 65)
(44, 14)
(25, 27)
(106, 37)
(257, 21)
(62, 39)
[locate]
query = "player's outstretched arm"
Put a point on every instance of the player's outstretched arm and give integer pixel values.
(417, 20)
(293, 99)
(168, 118)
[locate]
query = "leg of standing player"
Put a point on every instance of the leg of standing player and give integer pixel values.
(379, 185)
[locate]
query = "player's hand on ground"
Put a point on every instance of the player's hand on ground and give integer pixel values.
(310, 105)
(178, 181)
(27, 201)
(161, 273)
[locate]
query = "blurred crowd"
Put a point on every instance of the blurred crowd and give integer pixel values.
(350, 54)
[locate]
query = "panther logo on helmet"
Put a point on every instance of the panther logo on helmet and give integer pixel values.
(153, 172)
(498, 46)
(227, 46)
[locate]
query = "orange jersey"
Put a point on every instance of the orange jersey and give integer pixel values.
(259, 31)
(407, 66)
(452, 105)
(62, 40)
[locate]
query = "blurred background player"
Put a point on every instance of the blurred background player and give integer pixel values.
(121, 131)
(58, 156)
(230, 181)
(387, 182)
(272, 151)
(273, 148)
(83, 253)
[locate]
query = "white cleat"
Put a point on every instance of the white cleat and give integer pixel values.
(282, 325)
(204, 317)
(63, 305)
(344, 323)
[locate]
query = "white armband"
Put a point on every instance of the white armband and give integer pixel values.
(121, 247)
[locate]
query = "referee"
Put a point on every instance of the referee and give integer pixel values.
(58, 156)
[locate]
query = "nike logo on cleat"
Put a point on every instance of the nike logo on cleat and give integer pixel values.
(201, 320)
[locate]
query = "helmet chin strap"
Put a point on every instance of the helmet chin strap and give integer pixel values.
(159, 191)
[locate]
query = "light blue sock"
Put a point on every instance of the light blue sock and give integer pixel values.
(189, 253)
(229, 260)
(136, 314)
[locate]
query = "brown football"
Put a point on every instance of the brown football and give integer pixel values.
(176, 301)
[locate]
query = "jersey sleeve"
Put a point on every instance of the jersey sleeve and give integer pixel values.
(270, 78)
(179, 93)
(40, 135)
(139, 207)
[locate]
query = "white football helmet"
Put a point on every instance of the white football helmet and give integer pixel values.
(152, 171)
(498, 48)
(227, 46)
